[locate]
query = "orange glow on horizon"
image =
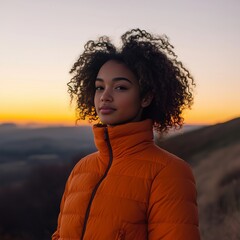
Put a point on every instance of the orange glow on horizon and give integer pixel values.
(55, 112)
(43, 120)
(65, 120)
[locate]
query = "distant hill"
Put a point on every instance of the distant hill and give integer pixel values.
(7, 126)
(214, 153)
(18, 141)
(203, 139)
(22, 149)
(11, 132)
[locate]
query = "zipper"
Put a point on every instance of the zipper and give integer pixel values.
(106, 138)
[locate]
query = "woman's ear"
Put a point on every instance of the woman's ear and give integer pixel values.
(147, 99)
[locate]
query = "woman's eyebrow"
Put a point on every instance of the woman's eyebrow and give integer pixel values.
(115, 79)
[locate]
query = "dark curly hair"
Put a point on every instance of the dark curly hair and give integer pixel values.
(152, 59)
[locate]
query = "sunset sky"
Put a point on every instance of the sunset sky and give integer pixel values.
(40, 40)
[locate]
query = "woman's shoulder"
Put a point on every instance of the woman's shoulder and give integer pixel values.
(171, 165)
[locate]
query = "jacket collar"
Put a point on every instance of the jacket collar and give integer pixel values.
(125, 139)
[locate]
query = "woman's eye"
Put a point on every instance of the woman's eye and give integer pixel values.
(98, 88)
(122, 88)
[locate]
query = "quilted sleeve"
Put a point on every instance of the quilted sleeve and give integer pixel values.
(172, 212)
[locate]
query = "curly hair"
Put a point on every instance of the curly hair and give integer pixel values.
(152, 59)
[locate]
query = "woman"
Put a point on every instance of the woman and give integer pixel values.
(130, 188)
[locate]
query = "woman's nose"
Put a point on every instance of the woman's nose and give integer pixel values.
(106, 96)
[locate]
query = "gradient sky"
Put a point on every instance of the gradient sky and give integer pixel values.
(40, 40)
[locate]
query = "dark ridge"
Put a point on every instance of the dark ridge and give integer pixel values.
(230, 178)
(203, 139)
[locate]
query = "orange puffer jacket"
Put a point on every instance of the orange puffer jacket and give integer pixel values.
(129, 190)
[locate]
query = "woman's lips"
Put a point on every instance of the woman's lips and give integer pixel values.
(106, 110)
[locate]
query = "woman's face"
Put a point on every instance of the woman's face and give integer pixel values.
(117, 95)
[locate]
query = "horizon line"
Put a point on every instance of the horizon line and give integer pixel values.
(60, 124)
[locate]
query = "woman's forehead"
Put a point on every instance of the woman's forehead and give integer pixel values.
(115, 70)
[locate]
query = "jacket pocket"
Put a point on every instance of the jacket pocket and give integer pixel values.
(120, 235)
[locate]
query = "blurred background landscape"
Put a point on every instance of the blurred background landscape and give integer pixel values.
(39, 141)
(35, 163)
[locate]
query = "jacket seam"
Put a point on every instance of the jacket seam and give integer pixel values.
(130, 176)
(123, 197)
(174, 223)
